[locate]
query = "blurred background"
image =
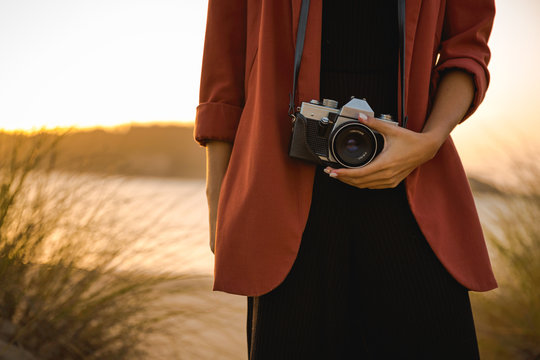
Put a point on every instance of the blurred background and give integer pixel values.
(102, 187)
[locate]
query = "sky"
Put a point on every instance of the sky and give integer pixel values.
(110, 62)
(99, 62)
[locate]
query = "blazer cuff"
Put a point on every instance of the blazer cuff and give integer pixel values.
(479, 73)
(216, 121)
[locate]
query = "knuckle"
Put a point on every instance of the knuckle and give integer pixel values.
(395, 182)
(388, 174)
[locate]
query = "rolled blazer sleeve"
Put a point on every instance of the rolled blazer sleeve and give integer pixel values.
(221, 97)
(464, 44)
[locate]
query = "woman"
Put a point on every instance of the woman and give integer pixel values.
(376, 260)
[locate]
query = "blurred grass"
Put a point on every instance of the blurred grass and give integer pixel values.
(64, 293)
(508, 319)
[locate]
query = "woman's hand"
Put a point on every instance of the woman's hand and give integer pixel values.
(404, 150)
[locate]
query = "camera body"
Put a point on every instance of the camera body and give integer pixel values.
(324, 134)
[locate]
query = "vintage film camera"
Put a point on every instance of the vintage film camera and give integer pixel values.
(324, 134)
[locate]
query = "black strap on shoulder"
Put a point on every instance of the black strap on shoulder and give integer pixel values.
(301, 34)
(401, 26)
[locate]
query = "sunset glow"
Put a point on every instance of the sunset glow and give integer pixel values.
(71, 63)
(101, 63)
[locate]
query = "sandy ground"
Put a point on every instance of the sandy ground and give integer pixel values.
(213, 327)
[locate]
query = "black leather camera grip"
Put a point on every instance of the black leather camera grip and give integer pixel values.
(299, 147)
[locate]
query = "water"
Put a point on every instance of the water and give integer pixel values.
(163, 223)
(176, 211)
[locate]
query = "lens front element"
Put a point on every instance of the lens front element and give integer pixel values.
(353, 145)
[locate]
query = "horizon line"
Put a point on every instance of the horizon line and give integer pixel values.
(117, 127)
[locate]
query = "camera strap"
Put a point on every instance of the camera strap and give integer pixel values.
(301, 34)
(401, 26)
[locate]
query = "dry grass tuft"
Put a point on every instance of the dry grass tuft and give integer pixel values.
(64, 292)
(508, 319)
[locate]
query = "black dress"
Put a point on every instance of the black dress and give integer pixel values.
(365, 281)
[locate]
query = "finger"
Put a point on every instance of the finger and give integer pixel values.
(379, 176)
(379, 125)
(385, 183)
(370, 185)
(381, 163)
(381, 179)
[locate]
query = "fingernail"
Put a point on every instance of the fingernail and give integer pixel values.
(362, 116)
(327, 170)
(333, 175)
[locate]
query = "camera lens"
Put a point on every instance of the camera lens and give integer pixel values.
(353, 145)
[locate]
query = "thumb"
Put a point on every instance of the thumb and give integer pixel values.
(376, 124)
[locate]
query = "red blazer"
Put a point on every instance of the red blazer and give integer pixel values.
(265, 195)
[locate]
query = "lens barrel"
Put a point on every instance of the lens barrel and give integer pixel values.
(353, 145)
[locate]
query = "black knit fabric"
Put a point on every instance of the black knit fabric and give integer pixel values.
(360, 52)
(365, 283)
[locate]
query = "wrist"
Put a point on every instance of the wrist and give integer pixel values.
(212, 192)
(433, 140)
